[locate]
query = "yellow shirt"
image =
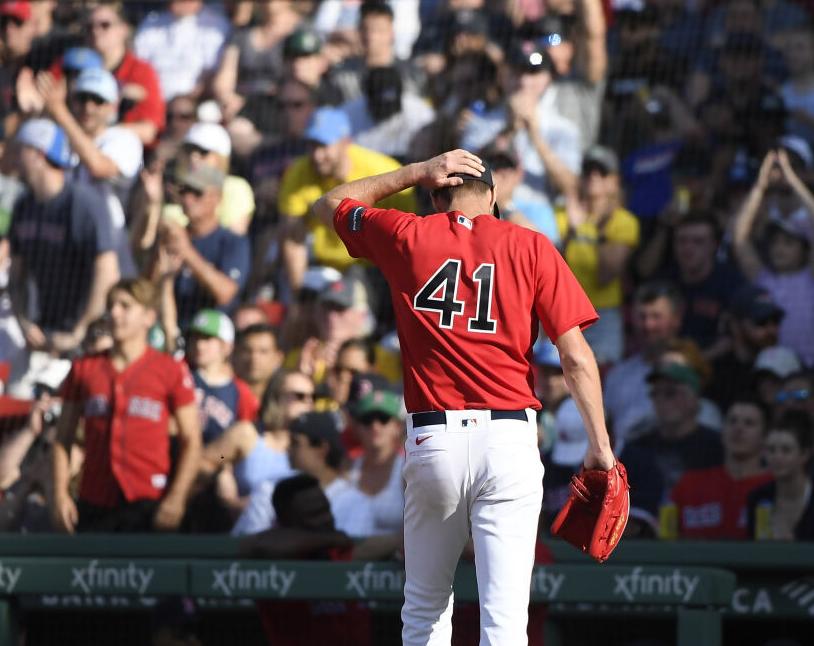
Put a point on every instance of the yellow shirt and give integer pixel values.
(301, 187)
(582, 255)
(387, 364)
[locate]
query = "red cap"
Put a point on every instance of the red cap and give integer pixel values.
(20, 9)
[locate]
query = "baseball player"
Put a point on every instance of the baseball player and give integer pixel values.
(469, 291)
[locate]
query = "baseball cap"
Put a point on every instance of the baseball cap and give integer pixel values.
(364, 383)
(327, 126)
(499, 157)
(344, 293)
(553, 30)
(317, 426)
(777, 360)
(799, 147)
(530, 56)
(572, 440)
(755, 304)
(676, 372)
(315, 279)
(546, 354)
(48, 138)
(378, 401)
(796, 224)
(201, 177)
(603, 157)
(19, 9)
(213, 323)
(469, 21)
(303, 42)
(209, 136)
(77, 59)
(98, 82)
(485, 177)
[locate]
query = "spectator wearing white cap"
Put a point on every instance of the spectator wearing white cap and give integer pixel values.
(772, 366)
(71, 262)
(110, 156)
(209, 143)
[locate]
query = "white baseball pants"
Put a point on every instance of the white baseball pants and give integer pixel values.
(479, 476)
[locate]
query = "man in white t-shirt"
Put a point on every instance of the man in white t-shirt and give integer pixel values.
(109, 156)
(184, 44)
(316, 449)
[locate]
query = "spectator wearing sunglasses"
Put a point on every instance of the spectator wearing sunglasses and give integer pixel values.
(249, 454)
(110, 156)
(378, 423)
(206, 263)
(796, 393)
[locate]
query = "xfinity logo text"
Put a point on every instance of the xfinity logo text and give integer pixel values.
(9, 577)
(131, 578)
(368, 580)
(634, 584)
(242, 581)
(546, 583)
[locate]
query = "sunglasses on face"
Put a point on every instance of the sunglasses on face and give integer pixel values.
(799, 395)
(181, 116)
(190, 190)
(340, 370)
(193, 149)
(83, 97)
(370, 418)
(664, 393)
(299, 395)
(587, 169)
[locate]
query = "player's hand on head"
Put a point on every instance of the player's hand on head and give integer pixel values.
(435, 172)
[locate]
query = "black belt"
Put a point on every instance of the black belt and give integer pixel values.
(440, 417)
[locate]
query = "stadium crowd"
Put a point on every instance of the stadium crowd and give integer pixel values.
(184, 348)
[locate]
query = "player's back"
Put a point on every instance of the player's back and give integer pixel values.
(468, 295)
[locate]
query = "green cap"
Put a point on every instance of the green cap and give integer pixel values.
(379, 401)
(676, 372)
(213, 323)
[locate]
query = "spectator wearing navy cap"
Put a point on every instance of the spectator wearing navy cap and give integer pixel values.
(110, 156)
(751, 325)
(62, 242)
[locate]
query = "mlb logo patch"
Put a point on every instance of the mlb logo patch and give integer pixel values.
(469, 423)
(465, 221)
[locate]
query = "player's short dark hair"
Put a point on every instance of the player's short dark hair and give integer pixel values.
(286, 490)
(655, 289)
(258, 328)
(375, 8)
(799, 424)
(445, 196)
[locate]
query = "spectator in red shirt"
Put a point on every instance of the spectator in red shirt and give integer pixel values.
(142, 105)
(125, 398)
(712, 502)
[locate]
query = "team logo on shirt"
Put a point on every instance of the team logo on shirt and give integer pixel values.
(355, 221)
(145, 408)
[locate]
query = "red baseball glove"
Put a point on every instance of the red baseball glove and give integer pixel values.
(594, 517)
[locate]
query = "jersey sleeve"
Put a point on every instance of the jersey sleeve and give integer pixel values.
(560, 301)
(182, 387)
(247, 404)
(369, 232)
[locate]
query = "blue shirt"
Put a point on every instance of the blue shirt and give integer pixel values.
(648, 180)
(58, 241)
(218, 406)
(230, 254)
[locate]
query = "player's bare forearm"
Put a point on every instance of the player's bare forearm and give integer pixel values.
(368, 190)
(582, 376)
(431, 174)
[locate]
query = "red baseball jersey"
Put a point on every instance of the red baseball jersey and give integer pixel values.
(127, 423)
(712, 504)
(468, 296)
